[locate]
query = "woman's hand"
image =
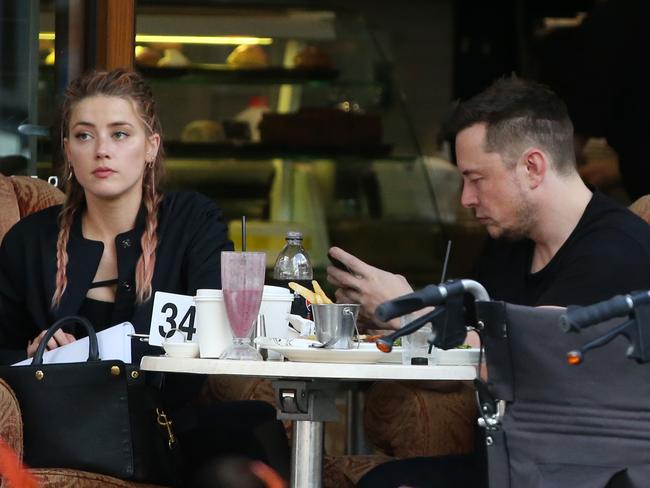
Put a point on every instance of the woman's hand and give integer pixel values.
(59, 338)
(366, 285)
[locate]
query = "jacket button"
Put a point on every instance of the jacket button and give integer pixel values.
(126, 243)
(126, 285)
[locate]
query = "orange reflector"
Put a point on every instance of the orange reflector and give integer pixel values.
(574, 358)
(383, 346)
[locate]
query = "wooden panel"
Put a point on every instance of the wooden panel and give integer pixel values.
(115, 33)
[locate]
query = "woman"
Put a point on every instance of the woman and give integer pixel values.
(114, 242)
(116, 239)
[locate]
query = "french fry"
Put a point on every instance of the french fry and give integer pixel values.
(309, 295)
(319, 292)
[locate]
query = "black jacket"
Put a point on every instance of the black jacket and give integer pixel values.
(191, 236)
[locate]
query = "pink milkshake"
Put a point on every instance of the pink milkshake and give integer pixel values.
(242, 281)
(242, 307)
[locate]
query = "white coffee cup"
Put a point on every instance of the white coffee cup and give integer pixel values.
(276, 307)
(212, 325)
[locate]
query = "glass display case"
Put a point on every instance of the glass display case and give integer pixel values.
(287, 116)
(290, 117)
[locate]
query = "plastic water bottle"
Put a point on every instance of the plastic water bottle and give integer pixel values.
(293, 264)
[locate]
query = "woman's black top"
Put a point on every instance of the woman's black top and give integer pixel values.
(98, 312)
(191, 235)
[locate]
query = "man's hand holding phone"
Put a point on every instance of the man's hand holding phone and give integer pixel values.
(358, 282)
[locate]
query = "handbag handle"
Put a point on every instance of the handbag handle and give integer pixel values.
(93, 348)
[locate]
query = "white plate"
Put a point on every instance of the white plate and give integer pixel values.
(299, 350)
(366, 354)
(450, 357)
(457, 356)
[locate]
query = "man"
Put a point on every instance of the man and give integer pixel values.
(553, 240)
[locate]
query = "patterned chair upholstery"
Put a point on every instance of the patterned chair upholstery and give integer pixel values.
(21, 196)
(405, 420)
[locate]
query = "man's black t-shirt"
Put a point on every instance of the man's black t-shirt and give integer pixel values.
(608, 253)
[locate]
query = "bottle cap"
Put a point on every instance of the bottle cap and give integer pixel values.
(419, 361)
(294, 234)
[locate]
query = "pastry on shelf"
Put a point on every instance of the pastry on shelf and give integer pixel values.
(203, 131)
(312, 57)
(248, 57)
(147, 56)
(173, 58)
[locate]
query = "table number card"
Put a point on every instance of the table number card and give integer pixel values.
(172, 314)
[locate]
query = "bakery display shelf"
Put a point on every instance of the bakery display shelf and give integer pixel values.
(177, 149)
(257, 151)
(222, 73)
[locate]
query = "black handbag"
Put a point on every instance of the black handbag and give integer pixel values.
(97, 416)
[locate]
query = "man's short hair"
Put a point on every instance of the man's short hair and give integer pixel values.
(519, 114)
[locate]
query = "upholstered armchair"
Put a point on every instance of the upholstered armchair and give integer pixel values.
(21, 196)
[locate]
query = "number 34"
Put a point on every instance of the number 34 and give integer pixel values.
(186, 325)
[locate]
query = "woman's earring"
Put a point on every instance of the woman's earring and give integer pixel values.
(70, 171)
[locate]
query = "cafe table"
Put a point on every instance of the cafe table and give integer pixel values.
(306, 394)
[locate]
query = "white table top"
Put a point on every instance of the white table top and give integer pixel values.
(294, 369)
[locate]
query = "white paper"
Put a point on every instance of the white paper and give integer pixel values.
(114, 343)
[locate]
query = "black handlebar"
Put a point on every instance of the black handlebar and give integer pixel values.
(576, 318)
(429, 296)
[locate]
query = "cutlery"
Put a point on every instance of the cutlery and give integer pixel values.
(325, 345)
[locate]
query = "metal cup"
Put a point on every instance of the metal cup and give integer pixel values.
(335, 324)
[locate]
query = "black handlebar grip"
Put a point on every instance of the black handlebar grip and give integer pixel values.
(576, 318)
(429, 295)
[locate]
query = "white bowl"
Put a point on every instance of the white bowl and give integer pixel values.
(181, 349)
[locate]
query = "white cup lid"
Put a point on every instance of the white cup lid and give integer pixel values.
(276, 291)
(208, 293)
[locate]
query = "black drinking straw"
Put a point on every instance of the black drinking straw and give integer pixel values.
(444, 275)
(243, 233)
(446, 262)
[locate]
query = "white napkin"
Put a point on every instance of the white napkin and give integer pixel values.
(305, 326)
